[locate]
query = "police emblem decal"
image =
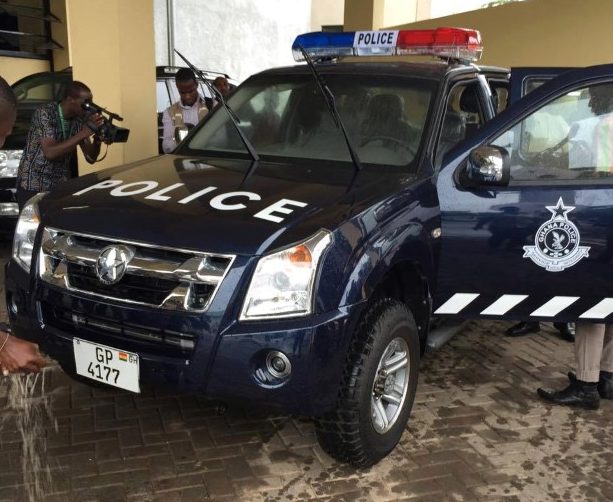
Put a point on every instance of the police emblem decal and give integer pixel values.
(556, 243)
(112, 263)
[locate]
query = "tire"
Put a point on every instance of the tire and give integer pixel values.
(352, 433)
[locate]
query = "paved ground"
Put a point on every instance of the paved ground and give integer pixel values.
(477, 432)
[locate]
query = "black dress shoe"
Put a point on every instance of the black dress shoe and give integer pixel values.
(523, 328)
(605, 384)
(567, 331)
(578, 393)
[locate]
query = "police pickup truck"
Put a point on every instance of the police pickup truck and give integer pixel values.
(297, 246)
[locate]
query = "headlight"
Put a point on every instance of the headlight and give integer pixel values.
(282, 284)
(25, 232)
(9, 162)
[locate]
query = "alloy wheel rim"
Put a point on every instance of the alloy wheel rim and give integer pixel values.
(390, 385)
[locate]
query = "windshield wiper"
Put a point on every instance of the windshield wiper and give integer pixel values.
(233, 118)
(329, 99)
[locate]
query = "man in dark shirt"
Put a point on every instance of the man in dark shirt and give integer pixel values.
(49, 157)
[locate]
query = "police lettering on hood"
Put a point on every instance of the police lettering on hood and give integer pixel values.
(228, 201)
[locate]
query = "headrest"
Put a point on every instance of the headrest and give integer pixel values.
(468, 101)
(386, 105)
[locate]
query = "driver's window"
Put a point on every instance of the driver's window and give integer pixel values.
(569, 138)
(463, 117)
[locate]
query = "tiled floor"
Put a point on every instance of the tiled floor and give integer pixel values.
(477, 432)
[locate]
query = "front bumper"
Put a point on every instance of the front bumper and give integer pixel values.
(221, 363)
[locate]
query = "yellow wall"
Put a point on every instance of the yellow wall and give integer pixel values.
(12, 69)
(405, 11)
(112, 51)
(540, 32)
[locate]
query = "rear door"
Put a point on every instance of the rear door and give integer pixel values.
(541, 247)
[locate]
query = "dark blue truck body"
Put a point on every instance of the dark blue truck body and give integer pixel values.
(425, 236)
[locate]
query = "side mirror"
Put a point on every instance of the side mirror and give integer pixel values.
(181, 131)
(488, 166)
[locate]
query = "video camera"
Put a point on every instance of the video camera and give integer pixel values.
(107, 132)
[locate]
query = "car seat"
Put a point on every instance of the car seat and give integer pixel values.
(384, 120)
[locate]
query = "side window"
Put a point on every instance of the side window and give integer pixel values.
(532, 83)
(570, 137)
(463, 116)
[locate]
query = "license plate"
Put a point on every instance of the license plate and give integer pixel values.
(106, 364)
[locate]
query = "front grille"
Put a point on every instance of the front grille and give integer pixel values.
(138, 337)
(152, 290)
(165, 278)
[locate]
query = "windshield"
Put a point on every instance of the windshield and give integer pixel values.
(289, 118)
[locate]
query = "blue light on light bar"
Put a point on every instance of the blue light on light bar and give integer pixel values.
(320, 44)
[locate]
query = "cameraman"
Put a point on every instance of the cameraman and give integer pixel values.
(49, 157)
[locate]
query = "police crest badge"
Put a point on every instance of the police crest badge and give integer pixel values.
(556, 243)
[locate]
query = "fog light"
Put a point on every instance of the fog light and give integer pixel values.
(278, 364)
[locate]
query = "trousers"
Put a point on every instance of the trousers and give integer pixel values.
(593, 350)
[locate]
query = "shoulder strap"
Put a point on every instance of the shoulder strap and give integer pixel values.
(176, 114)
(203, 109)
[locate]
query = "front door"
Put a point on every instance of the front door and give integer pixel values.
(540, 248)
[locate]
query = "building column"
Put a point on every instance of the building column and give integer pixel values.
(381, 14)
(363, 14)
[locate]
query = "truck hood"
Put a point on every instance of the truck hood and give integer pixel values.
(208, 205)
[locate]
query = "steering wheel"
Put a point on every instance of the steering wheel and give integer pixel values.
(549, 157)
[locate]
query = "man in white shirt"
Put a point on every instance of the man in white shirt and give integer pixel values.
(190, 109)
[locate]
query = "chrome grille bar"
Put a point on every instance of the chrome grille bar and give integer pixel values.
(184, 271)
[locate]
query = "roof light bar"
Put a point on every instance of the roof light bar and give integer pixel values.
(457, 43)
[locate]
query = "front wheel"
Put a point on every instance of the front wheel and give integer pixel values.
(378, 387)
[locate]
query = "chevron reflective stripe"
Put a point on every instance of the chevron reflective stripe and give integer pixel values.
(456, 303)
(554, 306)
(600, 310)
(503, 304)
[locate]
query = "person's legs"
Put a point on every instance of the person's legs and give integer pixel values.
(582, 391)
(605, 385)
(566, 329)
(523, 328)
(589, 340)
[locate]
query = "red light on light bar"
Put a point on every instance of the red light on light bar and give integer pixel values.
(439, 37)
(458, 43)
